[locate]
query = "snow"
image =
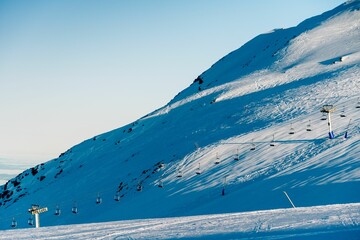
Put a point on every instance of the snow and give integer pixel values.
(325, 222)
(277, 81)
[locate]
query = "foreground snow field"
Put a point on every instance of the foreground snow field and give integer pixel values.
(322, 222)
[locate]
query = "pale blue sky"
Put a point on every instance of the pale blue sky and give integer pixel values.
(72, 69)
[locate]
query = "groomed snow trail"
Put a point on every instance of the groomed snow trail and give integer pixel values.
(321, 222)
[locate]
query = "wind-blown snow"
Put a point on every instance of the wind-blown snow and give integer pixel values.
(252, 97)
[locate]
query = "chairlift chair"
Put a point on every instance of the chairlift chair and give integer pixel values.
(13, 223)
(117, 197)
(217, 161)
(358, 103)
(252, 147)
(272, 143)
(342, 114)
(236, 158)
(292, 130)
(57, 211)
(139, 187)
(74, 209)
(160, 184)
(323, 117)
(308, 127)
(198, 170)
(31, 221)
(179, 175)
(98, 199)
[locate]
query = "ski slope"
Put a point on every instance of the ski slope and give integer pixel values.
(325, 222)
(249, 127)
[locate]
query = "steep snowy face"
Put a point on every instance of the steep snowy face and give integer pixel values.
(246, 130)
(284, 55)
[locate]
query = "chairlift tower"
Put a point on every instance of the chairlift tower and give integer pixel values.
(36, 210)
(329, 109)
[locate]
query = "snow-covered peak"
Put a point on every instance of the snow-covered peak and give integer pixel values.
(317, 42)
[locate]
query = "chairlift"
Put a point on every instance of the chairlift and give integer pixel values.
(117, 197)
(198, 170)
(217, 161)
(323, 117)
(236, 158)
(160, 184)
(31, 221)
(139, 187)
(292, 130)
(272, 143)
(342, 114)
(179, 175)
(358, 103)
(57, 211)
(74, 209)
(308, 127)
(252, 148)
(13, 223)
(98, 199)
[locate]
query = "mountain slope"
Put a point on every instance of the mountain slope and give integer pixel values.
(252, 97)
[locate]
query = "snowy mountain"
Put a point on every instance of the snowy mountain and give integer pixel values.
(243, 132)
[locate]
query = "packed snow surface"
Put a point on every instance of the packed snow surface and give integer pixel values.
(244, 131)
(323, 222)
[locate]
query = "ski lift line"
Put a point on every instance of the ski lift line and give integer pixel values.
(222, 143)
(64, 203)
(285, 141)
(22, 215)
(60, 203)
(112, 189)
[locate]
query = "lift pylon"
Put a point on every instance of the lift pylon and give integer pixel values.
(329, 109)
(36, 210)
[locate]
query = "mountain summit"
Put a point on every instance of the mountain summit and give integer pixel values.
(246, 130)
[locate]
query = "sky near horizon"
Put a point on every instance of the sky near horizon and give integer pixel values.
(72, 69)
